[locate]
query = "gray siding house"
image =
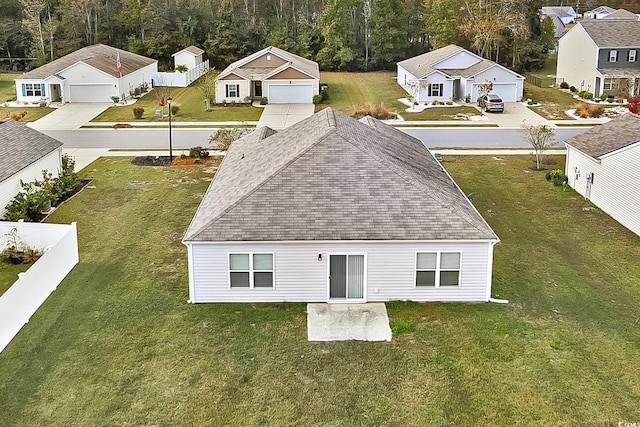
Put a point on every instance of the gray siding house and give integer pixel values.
(333, 209)
(602, 165)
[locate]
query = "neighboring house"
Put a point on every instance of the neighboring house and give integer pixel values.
(566, 13)
(602, 165)
(599, 12)
(601, 56)
(453, 72)
(333, 209)
(558, 25)
(24, 154)
(89, 74)
(282, 77)
(622, 14)
(190, 57)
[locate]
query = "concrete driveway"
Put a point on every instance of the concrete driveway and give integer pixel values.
(70, 115)
(280, 116)
(514, 115)
(344, 322)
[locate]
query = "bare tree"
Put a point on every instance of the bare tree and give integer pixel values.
(540, 137)
(207, 84)
(415, 86)
(222, 139)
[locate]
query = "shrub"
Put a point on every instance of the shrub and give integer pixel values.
(264, 100)
(378, 111)
(247, 99)
(198, 152)
(182, 68)
(324, 91)
(138, 112)
(584, 110)
(222, 139)
(434, 102)
(467, 98)
(42, 104)
(557, 176)
(584, 94)
(573, 89)
(632, 103)
(17, 116)
(175, 109)
(115, 99)
(449, 102)
(317, 99)
(603, 97)
(564, 85)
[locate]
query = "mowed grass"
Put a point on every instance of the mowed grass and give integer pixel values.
(7, 86)
(117, 344)
(190, 101)
(9, 274)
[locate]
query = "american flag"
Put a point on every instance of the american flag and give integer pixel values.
(118, 63)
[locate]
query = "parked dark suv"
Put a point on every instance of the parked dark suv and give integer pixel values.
(491, 102)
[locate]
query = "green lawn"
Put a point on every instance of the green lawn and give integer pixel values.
(191, 109)
(117, 344)
(7, 86)
(442, 113)
(9, 274)
(8, 92)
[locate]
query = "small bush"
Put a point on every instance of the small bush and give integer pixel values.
(434, 102)
(317, 99)
(603, 97)
(115, 99)
(378, 111)
(449, 102)
(564, 85)
(557, 176)
(175, 109)
(198, 153)
(17, 116)
(182, 68)
(584, 110)
(138, 112)
(247, 99)
(264, 100)
(467, 98)
(573, 89)
(324, 92)
(584, 94)
(42, 104)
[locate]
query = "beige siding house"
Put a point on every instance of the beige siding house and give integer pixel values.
(333, 209)
(280, 76)
(603, 165)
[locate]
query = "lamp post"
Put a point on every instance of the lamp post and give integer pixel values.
(170, 145)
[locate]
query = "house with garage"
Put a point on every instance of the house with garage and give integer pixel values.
(602, 165)
(601, 56)
(334, 209)
(24, 154)
(599, 12)
(91, 74)
(282, 77)
(452, 72)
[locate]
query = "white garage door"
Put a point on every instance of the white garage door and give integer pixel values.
(90, 93)
(506, 91)
(290, 94)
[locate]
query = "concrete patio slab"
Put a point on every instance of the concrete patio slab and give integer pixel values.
(281, 116)
(70, 116)
(344, 322)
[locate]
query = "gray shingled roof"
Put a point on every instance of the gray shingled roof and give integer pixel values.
(622, 14)
(600, 140)
(331, 177)
(306, 65)
(20, 146)
(99, 56)
(616, 33)
(561, 11)
(422, 65)
(191, 49)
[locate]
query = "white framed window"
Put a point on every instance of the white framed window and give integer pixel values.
(632, 55)
(613, 56)
(438, 269)
(251, 270)
(435, 89)
(233, 91)
(32, 89)
(610, 84)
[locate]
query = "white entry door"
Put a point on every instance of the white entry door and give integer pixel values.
(347, 277)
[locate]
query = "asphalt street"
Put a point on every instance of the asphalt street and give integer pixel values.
(185, 138)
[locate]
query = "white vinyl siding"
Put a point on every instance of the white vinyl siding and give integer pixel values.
(577, 59)
(300, 276)
(615, 183)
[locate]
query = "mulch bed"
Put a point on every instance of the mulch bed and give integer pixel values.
(151, 161)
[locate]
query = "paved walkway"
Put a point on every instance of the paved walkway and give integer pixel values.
(280, 116)
(70, 116)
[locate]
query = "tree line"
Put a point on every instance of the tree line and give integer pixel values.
(350, 35)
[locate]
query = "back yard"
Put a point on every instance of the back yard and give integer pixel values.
(117, 344)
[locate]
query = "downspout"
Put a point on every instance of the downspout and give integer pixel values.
(489, 277)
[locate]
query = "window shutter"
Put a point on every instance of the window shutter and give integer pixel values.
(42, 89)
(226, 90)
(24, 89)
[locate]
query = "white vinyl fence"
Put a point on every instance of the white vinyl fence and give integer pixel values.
(33, 287)
(177, 79)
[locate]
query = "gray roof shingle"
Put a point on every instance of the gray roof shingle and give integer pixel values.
(306, 65)
(613, 33)
(603, 139)
(20, 146)
(99, 56)
(331, 177)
